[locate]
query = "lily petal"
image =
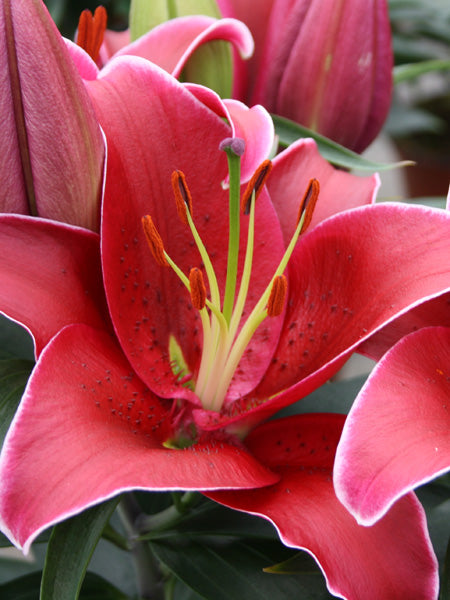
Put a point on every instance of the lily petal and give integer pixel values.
(170, 44)
(254, 125)
(45, 282)
(398, 431)
(392, 560)
(111, 425)
(350, 276)
(434, 312)
(292, 170)
(45, 106)
(160, 131)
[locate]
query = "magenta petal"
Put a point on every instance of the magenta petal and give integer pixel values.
(113, 41)
(84, 63)
(392, 560)
(88, 429)
(166, 131)
(45, 282)
(350, 276)
(170, 44)
(339, 191)
(254, 125)
(397, 435)
(51, 146)
(434, 312)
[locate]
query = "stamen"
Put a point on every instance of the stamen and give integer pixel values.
(183, 196)
(277, 296)
(255, 185)
(308, 204)
(197, 288)
(91, 29)
(154, 241)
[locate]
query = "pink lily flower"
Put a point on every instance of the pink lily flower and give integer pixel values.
(51, 145)
(389, 448)
(323, 64)
(169, 45)
(142, 404)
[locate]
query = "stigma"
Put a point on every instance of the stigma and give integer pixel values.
(226, 334)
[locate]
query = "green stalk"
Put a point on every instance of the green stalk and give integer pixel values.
(234, 169)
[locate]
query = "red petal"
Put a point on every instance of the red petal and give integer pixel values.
(339, 191)
(433, 312)
(51, 276)
(348, 277)
(398, 432)
(392, 560)
(150, 135)
(88, 429)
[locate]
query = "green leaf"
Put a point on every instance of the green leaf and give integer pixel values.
(301, 562)
(224, 571)
(70, 549)
(15, 341)
(212, 519)
(22, 588)
(14, 375)
(289, 132)
(445, 581)
(27, 588)
(333, 396)
(416, 69)
(96, 588)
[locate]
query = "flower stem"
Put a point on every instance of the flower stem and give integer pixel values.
(149, 576)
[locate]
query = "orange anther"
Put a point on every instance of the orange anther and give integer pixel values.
(308, 204)
(277, 296)
(198, 289)
(91, 29)
(154, 241)
(183, 196)
(255, 184)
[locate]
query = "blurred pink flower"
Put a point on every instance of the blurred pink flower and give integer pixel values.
(323, 63)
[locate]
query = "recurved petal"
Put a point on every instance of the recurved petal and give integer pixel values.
(292, 170)
(170, 44)
(397, 435)
(51, 144)
(88, 429)
(435, 312)
(392, 560)
(254, 125)
(349, 277)
(51, 276)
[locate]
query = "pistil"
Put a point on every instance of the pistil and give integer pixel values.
(223, 347)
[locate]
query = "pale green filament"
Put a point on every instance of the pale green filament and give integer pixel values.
(223, 347)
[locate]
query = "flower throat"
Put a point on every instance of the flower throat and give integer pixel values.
(223, 346)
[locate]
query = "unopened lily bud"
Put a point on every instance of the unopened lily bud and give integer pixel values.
(326, 65)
